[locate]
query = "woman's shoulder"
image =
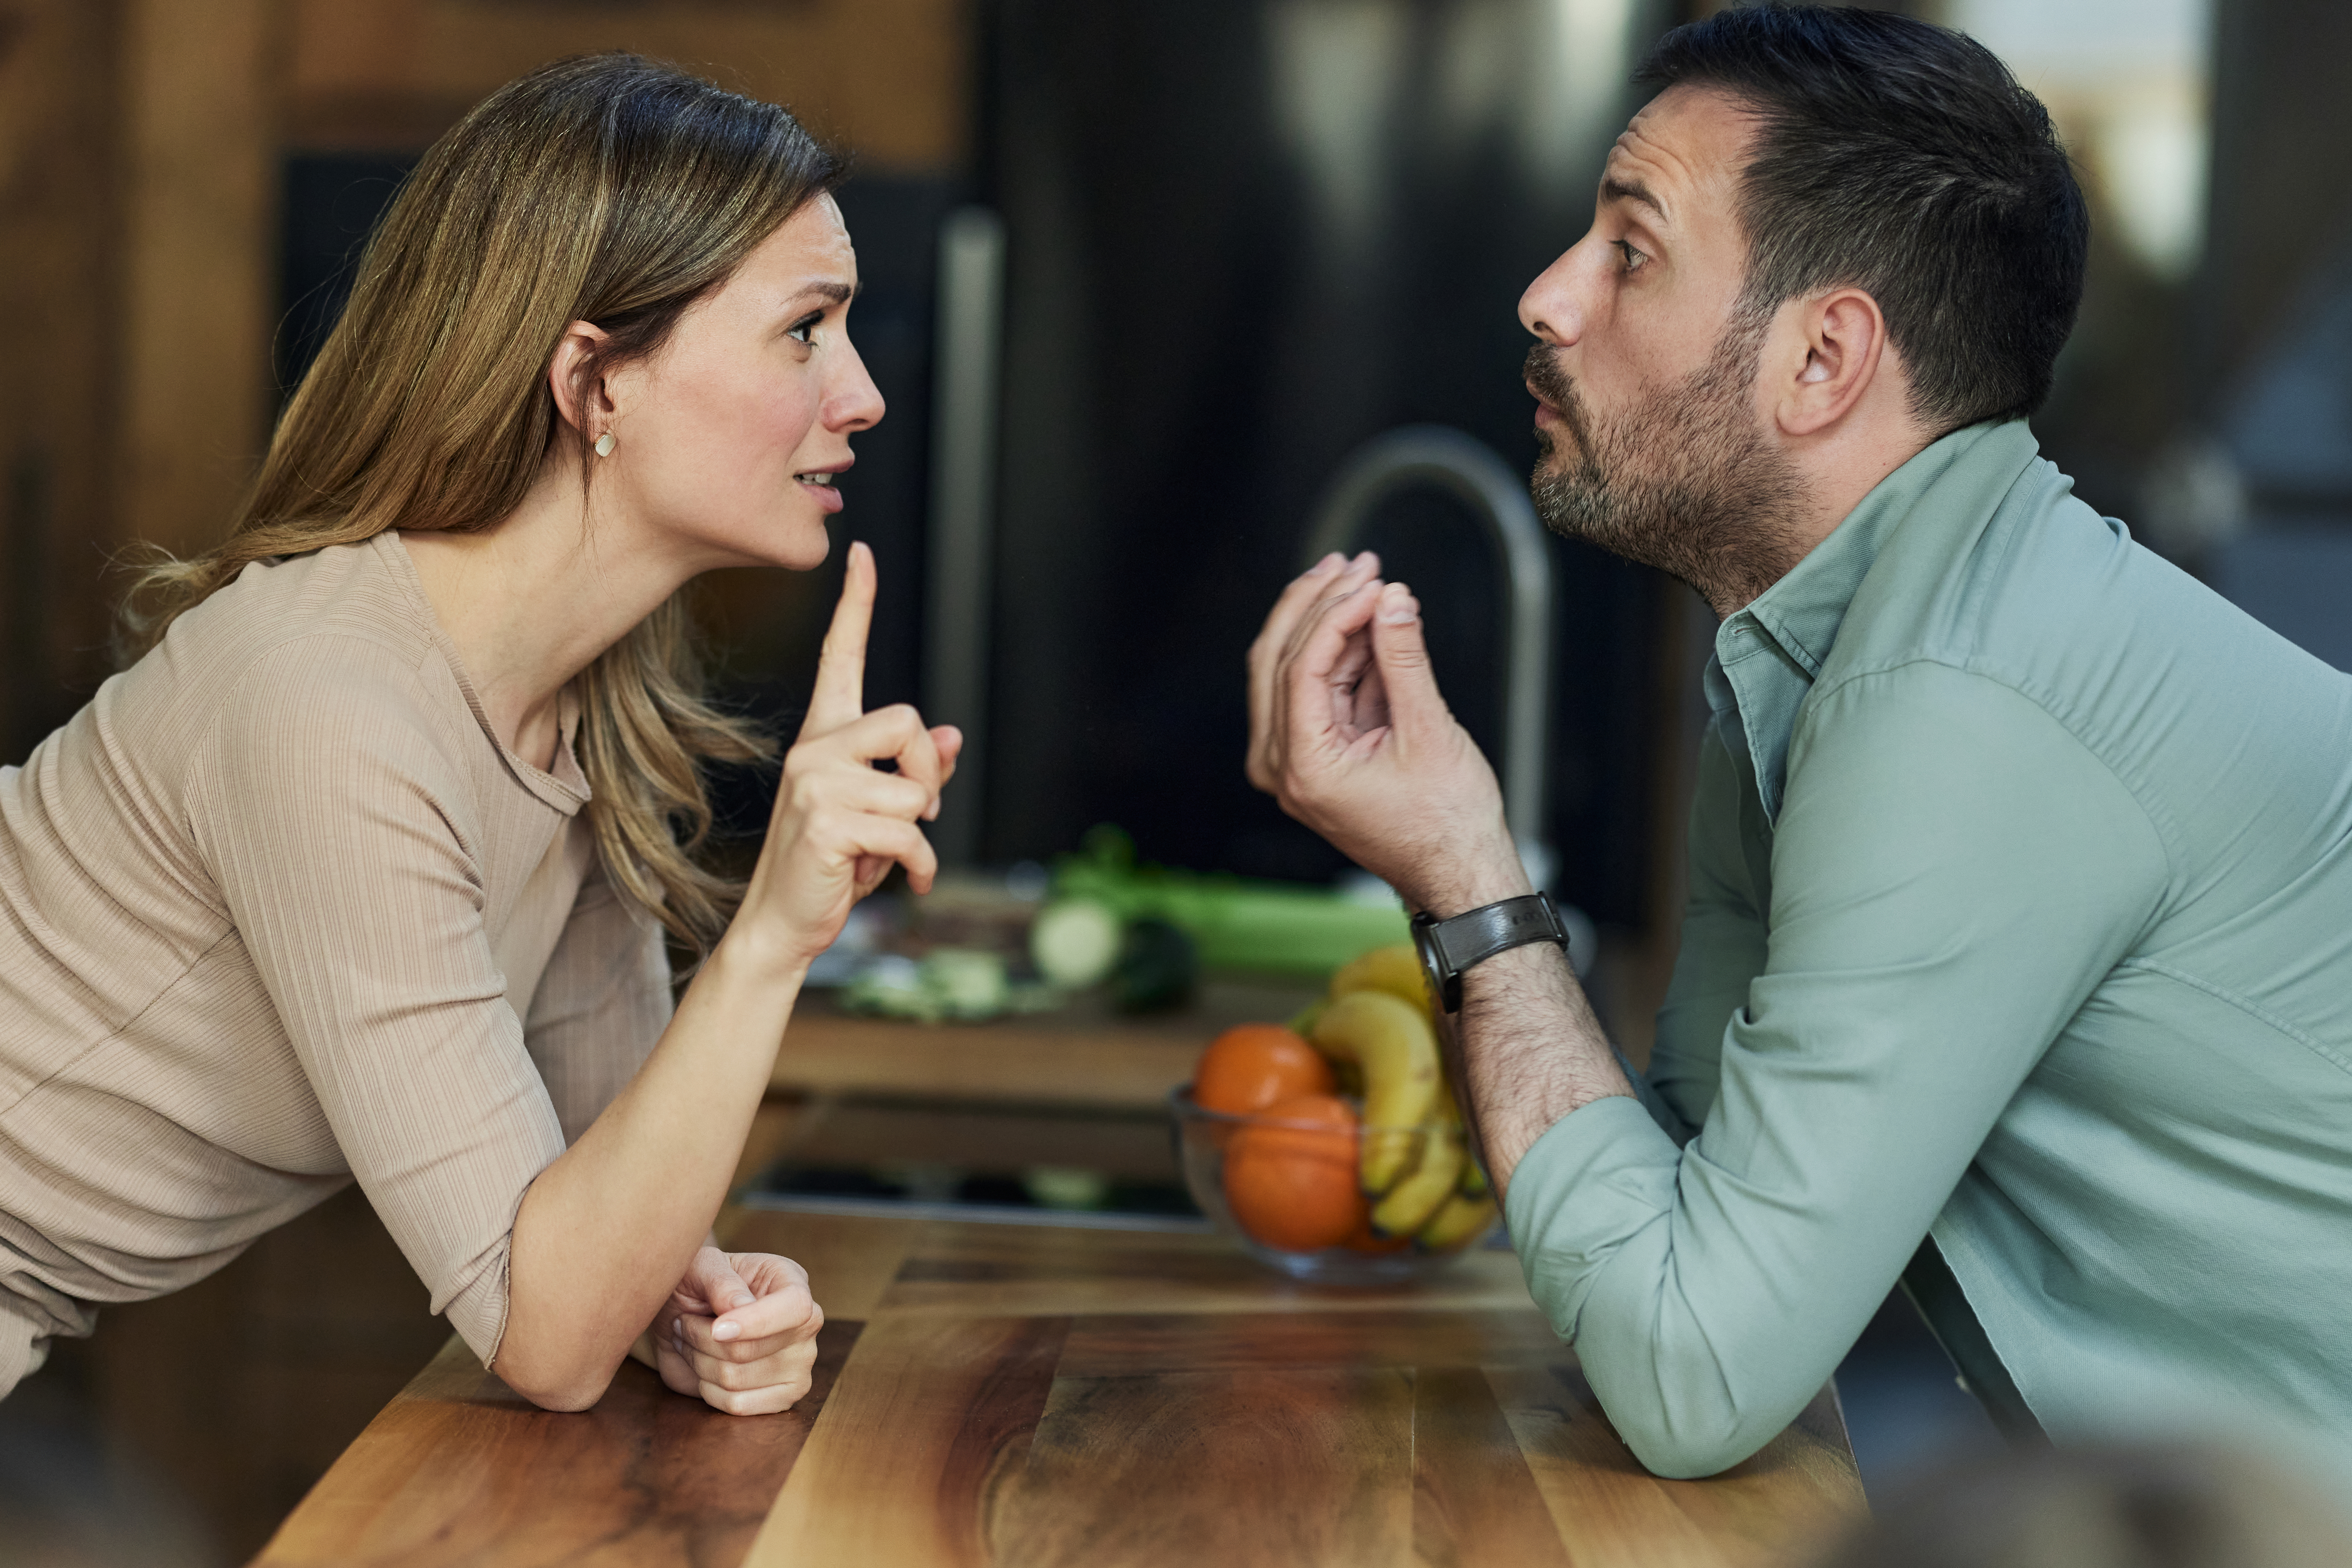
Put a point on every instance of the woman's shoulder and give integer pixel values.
(356, 593)
(335, 644)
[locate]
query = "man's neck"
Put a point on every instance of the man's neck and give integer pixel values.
(1836, 473)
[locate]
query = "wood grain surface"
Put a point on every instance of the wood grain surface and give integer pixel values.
(918, 1445)
(1306, 1466)
(1474, 1497)
(1005, 1396)
(1015, 1268)
(459, 1469)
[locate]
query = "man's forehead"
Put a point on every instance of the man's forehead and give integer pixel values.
(1681, 144)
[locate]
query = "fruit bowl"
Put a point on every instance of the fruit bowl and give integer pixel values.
(1293, 1179)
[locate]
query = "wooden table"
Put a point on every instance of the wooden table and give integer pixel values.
(1020, 1396)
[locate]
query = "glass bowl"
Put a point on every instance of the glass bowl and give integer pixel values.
(1203, 1137)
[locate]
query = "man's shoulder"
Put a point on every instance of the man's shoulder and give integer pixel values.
(2180, 694)
(2047, 597)
(2040, 563)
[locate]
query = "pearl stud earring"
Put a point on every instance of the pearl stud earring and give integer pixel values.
(604, 445)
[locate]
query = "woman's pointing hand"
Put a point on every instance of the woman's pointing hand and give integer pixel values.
(840, 822)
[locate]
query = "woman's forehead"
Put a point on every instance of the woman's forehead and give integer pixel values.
(809, 252)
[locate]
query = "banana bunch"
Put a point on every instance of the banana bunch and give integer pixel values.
(1377, 1029)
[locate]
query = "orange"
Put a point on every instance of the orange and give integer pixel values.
(1251, 1066)
(1294, 1185)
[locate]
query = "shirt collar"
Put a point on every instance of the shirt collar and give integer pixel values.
(1768, 654)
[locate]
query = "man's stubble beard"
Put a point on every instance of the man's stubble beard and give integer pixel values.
(1683, 480)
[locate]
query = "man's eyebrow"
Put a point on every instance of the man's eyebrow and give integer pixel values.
(1614, 189)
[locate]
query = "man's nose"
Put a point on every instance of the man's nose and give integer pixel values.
(1550, 309)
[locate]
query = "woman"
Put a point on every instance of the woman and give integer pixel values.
(363, 869)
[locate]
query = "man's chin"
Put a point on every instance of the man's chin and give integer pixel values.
(1553, 469)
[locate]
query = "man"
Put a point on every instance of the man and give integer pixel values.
(2019, 943)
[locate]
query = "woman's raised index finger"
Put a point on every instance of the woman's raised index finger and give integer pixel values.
(840, 694)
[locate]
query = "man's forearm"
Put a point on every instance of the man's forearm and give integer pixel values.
(1532, 1049)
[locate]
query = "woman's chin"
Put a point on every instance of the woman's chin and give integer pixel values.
(796, 544)
(805, 549)
(801, 536)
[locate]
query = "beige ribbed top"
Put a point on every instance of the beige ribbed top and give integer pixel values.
(277, 910)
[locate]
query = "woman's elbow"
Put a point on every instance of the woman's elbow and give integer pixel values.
(564, 1400)
(563, 1389)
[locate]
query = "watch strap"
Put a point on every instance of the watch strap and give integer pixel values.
(1462, 942)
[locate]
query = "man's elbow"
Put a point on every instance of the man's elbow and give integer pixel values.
(1689, 1452)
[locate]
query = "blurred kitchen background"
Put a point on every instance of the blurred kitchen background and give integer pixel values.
(1141, 280)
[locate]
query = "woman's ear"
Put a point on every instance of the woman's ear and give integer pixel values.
(582, 404)
(1844, 347)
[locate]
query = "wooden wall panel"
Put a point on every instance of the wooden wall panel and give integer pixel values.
(199, 289)
(886, 78)
(57, 216)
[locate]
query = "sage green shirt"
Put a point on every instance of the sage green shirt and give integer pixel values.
(2020, 913)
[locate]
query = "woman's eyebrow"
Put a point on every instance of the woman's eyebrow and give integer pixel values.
(832, 293)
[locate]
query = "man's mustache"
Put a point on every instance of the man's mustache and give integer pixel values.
(1550, 382)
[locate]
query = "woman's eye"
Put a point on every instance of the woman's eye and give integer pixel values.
(804, 330)
(1633, 259)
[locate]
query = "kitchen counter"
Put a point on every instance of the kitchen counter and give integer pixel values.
(1082, 1054)
(1014, 1394)
(1078, 1088)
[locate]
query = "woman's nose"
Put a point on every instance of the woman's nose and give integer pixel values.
(854, 403)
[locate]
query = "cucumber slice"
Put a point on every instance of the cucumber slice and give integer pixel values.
(1075, 942)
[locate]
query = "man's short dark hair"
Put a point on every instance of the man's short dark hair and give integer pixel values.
(1903, 159)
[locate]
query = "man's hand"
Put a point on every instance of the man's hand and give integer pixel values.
(739, 1333)
(1349, 733)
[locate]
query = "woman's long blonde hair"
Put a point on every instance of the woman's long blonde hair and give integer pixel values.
(605, 188)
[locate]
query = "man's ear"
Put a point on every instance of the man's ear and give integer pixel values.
(1844, 352)
(584, 405)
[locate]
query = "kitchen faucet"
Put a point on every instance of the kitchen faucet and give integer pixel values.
(1468, 469)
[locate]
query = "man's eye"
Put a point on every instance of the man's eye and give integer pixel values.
(1633, 259)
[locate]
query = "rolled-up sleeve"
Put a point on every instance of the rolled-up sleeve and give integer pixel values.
(1953, 872)
(336, 833)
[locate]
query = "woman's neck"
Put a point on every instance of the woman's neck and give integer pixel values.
(530, 602)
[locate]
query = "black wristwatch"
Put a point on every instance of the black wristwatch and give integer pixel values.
(1450, 947)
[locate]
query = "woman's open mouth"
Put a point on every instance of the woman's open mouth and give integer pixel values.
(823, 484)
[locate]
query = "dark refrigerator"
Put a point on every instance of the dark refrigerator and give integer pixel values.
(1238, 242)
